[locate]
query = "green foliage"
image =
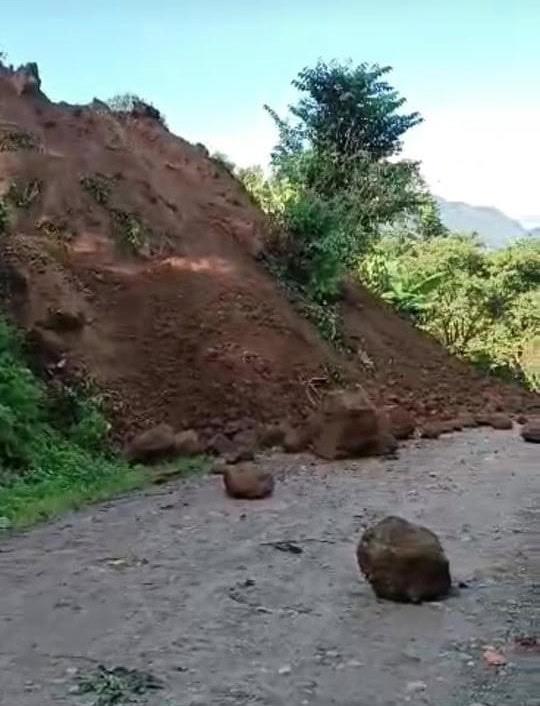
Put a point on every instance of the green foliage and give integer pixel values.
(4, 218)
(116, 685)
(333, 186)
(345, 111)
(222, 160)
(16, 141)
(130, 230)
(481, 305)
(53, 447)
(98, 186)
(135, 105)
(23, 195)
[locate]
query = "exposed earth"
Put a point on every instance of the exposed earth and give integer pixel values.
(136, 262)
(189, 585)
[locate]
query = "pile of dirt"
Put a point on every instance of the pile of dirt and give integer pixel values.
(133, 260)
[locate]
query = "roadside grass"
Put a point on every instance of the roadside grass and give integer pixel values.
(54, 447)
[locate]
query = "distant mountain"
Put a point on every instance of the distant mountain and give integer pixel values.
(494, 227)
(535, 232)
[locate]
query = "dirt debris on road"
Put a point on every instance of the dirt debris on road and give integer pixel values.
(205, 603)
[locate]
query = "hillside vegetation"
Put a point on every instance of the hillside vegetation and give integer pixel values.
(342, 202)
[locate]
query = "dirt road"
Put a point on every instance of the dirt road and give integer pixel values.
(187, 584)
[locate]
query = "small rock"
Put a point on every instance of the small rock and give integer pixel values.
(188, 443)
(153, 444)
(248, 482)
(400, 421)
(500, 421)
(286, 669)
(414, 687)
(403, 561)
(493, 658)
(531, 430)
(270, 436)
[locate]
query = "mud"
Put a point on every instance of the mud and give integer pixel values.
(188, 584)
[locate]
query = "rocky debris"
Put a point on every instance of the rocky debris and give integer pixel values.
(188, 443)
(482, 419)
(348, 425)
(270, 436)
(247, 482)
(220, 445)
(500, 421)
(430, 431)
(467, 420)
(152, 445)
(400, 421)
(522, 419)
(295, 439)
(531, 430)
(62, 320)
(403, 561)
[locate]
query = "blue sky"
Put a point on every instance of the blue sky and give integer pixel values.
(471, 67)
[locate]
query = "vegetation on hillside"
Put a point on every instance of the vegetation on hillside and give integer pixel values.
(342, 201)
(53, 445)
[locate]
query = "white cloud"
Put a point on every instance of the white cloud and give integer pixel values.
(482, 156)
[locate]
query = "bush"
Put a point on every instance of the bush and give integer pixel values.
(53, 447)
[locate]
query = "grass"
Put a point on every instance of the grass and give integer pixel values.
(54, 452)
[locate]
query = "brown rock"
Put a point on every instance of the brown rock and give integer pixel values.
(296, 440)
(430, 431)
(65, 321)
(220, 445)
(347, 426)
(188, 443)
(403, 561)
(467, 420)
(531, 430)
(153, 444)
(483, 419)
(270, 436)
(521, 419)
(500, 421)
(400, 421)
(248, 482)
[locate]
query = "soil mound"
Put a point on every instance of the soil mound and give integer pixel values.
(133, 260)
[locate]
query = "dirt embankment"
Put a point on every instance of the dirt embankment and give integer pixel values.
(151, 252)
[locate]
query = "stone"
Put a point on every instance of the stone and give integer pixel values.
(296, 440)
(247, 482)
(153, 444)
(347, 426)
(403, 562)
(500, 421)
(270, 436)
(430, 431)
(220, 445)
(400, 421)
(531, 430)
(188, 443)
(65, 321)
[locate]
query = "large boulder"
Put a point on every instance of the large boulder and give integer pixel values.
(246, 481)
(152, 445)
(531, 430)
(348, 426)
(403, 561)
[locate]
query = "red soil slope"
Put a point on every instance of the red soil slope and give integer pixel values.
(190, 329)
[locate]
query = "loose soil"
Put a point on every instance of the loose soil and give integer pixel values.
(189, 585)
(190, 330)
